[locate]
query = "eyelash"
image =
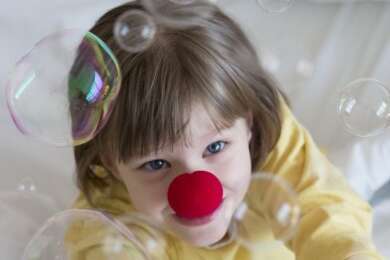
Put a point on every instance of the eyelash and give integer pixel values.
(143, 167)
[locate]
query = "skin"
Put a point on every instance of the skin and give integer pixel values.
(225, 154)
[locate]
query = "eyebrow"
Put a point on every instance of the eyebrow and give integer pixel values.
(210, 135)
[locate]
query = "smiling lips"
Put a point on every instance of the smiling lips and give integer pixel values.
(198, 221)
(195, 197)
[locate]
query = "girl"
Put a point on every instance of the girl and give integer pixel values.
(197, 100)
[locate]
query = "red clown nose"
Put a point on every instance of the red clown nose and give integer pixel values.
(195, 195)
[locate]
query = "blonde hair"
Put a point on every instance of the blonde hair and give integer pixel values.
(211, 62)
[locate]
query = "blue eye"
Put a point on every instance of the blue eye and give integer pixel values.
(216, 147)
(154, 165)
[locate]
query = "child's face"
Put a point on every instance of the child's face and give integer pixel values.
(147, 179)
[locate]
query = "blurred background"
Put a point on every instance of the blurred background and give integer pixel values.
(313, 48)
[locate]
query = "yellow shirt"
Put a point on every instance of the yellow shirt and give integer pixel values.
(335, 223)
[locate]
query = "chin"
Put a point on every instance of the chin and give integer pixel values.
(206, 237)
(206, 231)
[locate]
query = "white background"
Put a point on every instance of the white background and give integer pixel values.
(313, 49)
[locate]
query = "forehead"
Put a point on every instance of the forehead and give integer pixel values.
(202, 126)
(199, 130)
(200, 121)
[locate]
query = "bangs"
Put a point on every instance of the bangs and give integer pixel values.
(162, 86)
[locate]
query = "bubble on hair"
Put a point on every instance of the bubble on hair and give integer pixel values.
(179, 13)
(135, 30)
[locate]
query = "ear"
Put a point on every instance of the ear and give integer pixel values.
(109, 164)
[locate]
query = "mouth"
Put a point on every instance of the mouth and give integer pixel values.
(199, 221)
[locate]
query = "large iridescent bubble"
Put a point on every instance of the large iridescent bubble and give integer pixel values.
(62, 90)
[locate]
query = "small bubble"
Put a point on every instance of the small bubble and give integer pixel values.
(275, 6)
(134, 31)
(27, 184)
(363, 107)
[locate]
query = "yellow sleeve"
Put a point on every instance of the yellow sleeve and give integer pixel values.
(335, 223)
(97, 239)
(90, 239)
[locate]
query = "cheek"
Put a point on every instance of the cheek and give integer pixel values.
(146, 198)
(235, 170)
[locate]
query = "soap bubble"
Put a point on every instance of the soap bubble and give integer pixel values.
(27, 184)
(275, 6)
(276, 202)
(134, 31)
(305, 68)
(270, 62)
(22, 212)
(150, 236)
(62, 90)
(364, 107)
(182, 2)
(65, 233)
(178, 13)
